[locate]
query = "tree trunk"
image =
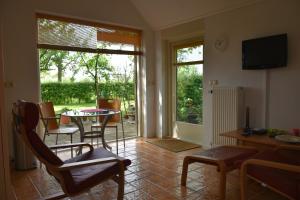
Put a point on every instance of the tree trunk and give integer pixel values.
(96, 87)
(59, 73)
(96, 77)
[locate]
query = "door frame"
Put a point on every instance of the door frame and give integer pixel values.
(6, 189)
(173, 78)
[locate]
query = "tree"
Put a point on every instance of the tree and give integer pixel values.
(57, 59)
(62, 34)
(96, 66)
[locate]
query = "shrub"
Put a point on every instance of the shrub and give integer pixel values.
(83, 92)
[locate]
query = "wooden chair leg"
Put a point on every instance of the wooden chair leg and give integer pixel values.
(44, 138)
(243, 182)
(185, 169)
(121, 182)
(222, 186)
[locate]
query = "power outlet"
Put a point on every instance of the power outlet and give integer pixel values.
(213, 82)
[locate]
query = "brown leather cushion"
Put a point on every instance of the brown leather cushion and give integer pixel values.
(286, 182)
(85, 177)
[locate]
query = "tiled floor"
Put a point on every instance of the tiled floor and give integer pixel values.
(154, 174)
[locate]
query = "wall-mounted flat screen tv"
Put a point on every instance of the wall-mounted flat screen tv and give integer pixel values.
(265, 53)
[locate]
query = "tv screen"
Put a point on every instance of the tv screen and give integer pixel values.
(265, 53)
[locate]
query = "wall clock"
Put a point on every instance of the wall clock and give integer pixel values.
(221, 43)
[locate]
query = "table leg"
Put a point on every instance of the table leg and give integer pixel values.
(117, 140)
(103, 125)
(122, 130)
(78, 122)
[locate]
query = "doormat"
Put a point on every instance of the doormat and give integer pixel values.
(173, 145)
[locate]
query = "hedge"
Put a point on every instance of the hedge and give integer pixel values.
(83, 92)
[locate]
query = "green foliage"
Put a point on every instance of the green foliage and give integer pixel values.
(83, 92)
(189, 95)
(56, 60)
(96, 67)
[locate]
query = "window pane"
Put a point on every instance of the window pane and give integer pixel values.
(189, 54)
(189, 93)
(66, 34)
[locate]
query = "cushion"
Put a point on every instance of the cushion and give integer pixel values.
(86, 177)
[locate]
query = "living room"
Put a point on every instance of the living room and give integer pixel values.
(270, 94)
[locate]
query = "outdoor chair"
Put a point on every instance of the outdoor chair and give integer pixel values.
(111, 104)
(224, 157)
(51, 122)
(278, 169)
(78, 174)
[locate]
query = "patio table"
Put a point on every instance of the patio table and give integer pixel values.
(77, 116)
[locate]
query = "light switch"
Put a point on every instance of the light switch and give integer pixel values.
(8, 84)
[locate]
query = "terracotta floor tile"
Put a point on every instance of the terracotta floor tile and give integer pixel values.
(154, 174)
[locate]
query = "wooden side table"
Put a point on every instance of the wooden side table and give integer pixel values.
(259, 141)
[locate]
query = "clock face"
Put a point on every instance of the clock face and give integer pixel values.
(221, 44)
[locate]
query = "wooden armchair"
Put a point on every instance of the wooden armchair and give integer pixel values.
(113, 104)
(51, 122)
(278, 169)
(77, 174)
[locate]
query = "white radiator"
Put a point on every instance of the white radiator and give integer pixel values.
(227, 107)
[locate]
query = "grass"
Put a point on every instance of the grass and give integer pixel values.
(77, 106)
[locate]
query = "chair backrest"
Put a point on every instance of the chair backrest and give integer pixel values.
(47, 110)
(113, 104)
(26, 117)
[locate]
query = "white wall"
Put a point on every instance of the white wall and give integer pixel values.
(265, 18)
(276, 106)
(20, 52)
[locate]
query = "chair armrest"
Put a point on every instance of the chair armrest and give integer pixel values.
(85, 163)
(61, 146)
(271, 164)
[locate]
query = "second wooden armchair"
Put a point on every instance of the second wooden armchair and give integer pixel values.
(278, 169)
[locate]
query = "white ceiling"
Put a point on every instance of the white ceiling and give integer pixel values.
(162, 14)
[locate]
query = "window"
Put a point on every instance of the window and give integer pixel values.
(61, 33)
(81, 61)
(189, 78)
